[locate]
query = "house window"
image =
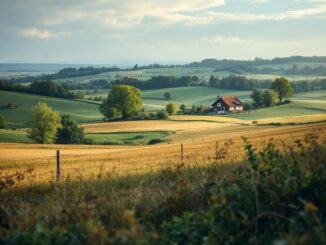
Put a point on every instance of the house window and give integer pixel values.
(218, 104)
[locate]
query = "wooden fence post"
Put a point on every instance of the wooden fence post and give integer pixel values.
(181, 151)
(58, 165)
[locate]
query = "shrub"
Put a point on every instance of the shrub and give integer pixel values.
(155, 141)
(162, 115)
(2, 122)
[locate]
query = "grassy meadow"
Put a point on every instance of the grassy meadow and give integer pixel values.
(201, 72)
(18, 117)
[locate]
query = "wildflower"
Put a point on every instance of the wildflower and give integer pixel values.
(310, 207)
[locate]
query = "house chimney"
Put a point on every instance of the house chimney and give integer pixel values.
(217, 97)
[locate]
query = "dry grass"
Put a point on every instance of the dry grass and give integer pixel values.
(93, 161)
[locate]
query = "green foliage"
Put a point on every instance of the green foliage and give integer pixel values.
(167, 95)
(275, 197)
(257, 96)
(269, 97)
(162, 115)
(44, 123)
(182, 108)
(171, 108)
(2, 122)
(70, 132)
(155, 141)
(283, 88)
(125, 99)
(23, 103)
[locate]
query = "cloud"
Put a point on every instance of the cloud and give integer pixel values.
(221, 39)
(36, 33)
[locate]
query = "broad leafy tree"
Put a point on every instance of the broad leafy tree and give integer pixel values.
(167, 95)
(2, 122)
(70, 132)
(124, 100)
(269, 97)
(44, 123)
(257, 96)
(171, 108)
(283, 88)
(182, 108)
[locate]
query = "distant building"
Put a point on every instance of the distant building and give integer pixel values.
(226, 104)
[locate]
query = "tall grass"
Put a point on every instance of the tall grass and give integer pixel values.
(276, 195)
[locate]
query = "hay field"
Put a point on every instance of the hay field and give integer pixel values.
(81, 161)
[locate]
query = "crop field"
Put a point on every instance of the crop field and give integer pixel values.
(87, 161)
(18, 117)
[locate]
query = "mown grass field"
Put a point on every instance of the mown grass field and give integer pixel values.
(18, 117)
(14, 136)
(127, 138)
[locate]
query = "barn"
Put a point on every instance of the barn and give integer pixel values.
(226, 104)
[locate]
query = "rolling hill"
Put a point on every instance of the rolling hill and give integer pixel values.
(18, 117)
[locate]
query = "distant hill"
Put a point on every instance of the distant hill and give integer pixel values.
(226, 63)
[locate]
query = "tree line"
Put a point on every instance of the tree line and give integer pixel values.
(66, 73)
(45, 88)
(157, 82)
(237, 82)
(227, 63)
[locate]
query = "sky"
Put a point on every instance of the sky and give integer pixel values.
(164, 31)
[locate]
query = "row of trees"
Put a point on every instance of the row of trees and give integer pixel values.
(46, 88)
(237, 82)
(66, 73)
(47, 126)
(280, 89)
(158, 82)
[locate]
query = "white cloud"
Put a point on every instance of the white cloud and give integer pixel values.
(221, 39)
(36, 33)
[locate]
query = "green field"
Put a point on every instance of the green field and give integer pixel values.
(154, 99)
(121, 138)
(14, 136)
(296, 108)
(18, 117)
(313, 102)
(202, 72)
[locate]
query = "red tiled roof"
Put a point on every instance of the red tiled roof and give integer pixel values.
(229, 100)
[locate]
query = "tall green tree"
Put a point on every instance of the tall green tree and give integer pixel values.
(257, 96)
(171, 108)
(44, 123)
(124, 99)
(2, 122)
(70, 132)
(283, 88)
(269, 97)
(182, 108)
(167, 95)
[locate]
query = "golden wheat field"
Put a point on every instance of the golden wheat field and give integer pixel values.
(202, 142)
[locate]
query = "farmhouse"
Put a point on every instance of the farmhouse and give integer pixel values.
(225, 104)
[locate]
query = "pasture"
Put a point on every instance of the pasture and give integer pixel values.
(18, 117)
(202, 72)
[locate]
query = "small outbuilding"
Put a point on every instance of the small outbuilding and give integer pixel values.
(226, 104)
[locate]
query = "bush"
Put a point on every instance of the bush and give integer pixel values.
(155, 141)
(162, 115)
(2, 122)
